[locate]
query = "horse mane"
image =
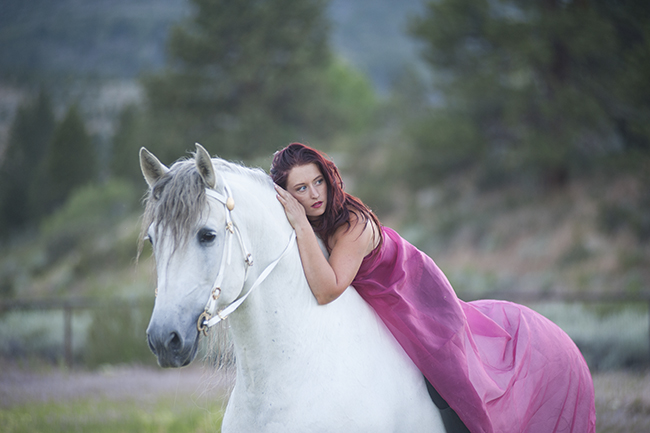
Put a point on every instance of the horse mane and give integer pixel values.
(177, 200)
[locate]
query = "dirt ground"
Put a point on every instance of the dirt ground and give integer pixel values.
(622, 402)
(622, 398)
(19, 385)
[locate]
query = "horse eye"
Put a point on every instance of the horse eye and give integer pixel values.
(148, 239)
(207, 236)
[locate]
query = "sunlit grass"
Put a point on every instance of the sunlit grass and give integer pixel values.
(98, 416)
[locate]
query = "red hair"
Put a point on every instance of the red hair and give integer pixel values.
(340, 204)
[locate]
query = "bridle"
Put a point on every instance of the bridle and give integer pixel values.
(210, 315)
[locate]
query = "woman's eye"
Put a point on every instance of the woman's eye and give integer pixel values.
(207, 236)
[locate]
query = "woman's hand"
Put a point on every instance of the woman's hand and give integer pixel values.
(295, 211)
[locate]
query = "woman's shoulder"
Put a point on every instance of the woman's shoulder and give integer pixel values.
(356, 221)
(358, 228)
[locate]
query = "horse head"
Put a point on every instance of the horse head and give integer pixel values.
(189, 222)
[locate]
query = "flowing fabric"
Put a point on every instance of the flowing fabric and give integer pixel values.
(501, 366)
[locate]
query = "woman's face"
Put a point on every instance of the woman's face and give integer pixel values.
(307, 185)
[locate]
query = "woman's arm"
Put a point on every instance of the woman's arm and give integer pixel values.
(328, 279)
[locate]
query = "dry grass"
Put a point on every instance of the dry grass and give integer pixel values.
(622, 402)
(551, 242)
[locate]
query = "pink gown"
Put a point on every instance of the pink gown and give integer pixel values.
(501, 366)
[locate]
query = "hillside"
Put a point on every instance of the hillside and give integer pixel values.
(553, 245)
(122, 38)
(499, 244)
(104, 38)
(569, 242)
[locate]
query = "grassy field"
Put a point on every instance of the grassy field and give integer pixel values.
(98, 416)
(110, 399)
(137, 399)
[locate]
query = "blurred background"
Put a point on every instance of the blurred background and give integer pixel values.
(509, 140)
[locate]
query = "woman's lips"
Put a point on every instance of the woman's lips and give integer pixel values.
(317, 205)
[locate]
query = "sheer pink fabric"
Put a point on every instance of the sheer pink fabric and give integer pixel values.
(501, 366)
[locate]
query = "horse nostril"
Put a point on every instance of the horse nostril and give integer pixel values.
(174, 342)
(152, 347)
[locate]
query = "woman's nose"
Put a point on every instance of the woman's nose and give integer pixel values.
(314, 192)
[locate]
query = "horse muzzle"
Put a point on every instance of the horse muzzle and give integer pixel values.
(171, 347)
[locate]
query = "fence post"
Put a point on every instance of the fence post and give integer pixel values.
(67, 334)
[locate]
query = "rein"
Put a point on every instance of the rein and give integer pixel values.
(210, 315)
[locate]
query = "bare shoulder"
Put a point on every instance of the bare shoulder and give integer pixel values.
(360, 231)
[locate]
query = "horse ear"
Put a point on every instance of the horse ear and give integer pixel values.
(151, 167)
(205, 167)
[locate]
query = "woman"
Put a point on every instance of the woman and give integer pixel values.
(475, 354)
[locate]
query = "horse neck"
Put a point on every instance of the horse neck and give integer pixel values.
(268, 320)
(272, 320)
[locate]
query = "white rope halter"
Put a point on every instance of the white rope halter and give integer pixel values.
(210, 315)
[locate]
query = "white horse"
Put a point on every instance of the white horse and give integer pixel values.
(223, 246)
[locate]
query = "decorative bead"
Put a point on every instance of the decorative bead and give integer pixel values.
(230, 203)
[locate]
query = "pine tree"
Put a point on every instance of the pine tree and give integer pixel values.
(29, 137)
(124, 162)
(527, 88)
(626, 94)
(71, 160)
(244, 78)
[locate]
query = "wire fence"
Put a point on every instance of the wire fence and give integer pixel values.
(68, 307)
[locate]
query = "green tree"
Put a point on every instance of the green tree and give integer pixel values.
(244, 78)
(124, 162)
(531, 89)
(71, 160)
(29, 137)
(626, 95)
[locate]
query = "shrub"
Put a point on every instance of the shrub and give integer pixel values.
(85, 216)
(118, 336)
(609, 338)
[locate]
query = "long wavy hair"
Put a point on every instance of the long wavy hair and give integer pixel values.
(340, 204)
